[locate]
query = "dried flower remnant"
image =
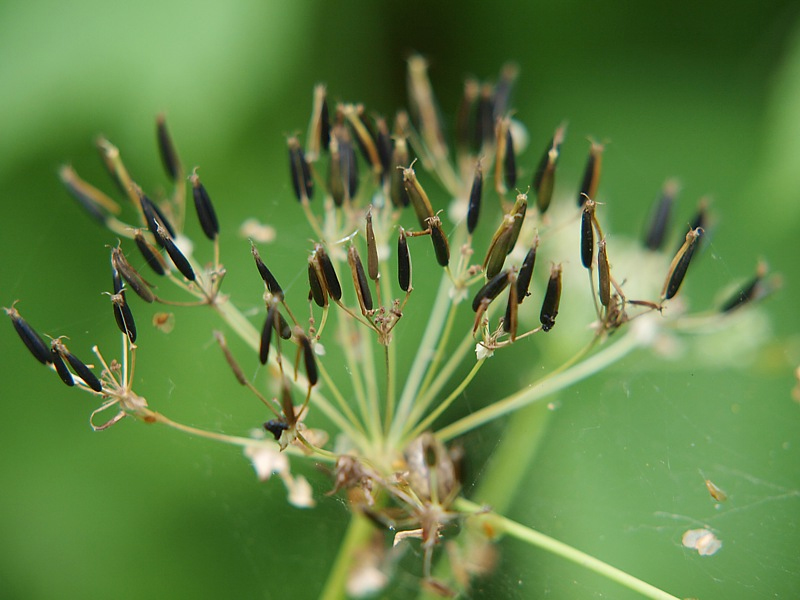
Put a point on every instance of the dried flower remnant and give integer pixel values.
(390, 415)
(702, 540)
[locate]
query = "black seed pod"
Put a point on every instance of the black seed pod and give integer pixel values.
(545, 177)
(324, 124)
(302, 182)
(403, 262)
(591, 173)
(316, 283)
(266, 335)
(680, 264)
(154, 217)
(364, 135)
(309, 360)
(178, 259)
(484, 117)
(172, 164)
(349, 167)
(329, 273)
(93, 201)
(748, 293)
(282, 327)
(32, 340)
(440, 246)
(384, 143)
(526, 272)
(204, 208)
(276, 428)
(603, 274)
(122, 312)
(84, 372)
(61, 368)
(463, 116)
(131, 276)
(372, 250)
(491, 289)
(659, 221)
(151, 255)
(269, 279)
(359, 279)
(587, 234)
(510, 161)
(512, 307)
(397, 188)
(552, 298)
(418, 197)
(475, 196)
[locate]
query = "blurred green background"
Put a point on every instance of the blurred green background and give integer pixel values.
(710, 94)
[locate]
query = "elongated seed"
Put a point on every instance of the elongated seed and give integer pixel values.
(359, 280)
(61, 368)
(336, 186)
(266, 335)
(440, 246)
(349, 168)
(372, 250)
(131, 275)
(93, 201)
(205, 210)
(383, 141)
(282, 326)
(397, 188)
(178, 259)
(753, 290)
(309, 360)
(154, 217)
(329, 273)
(269, 279)
(491, 289)
(512, 307)
(319, 127)
(316, 283)
(475, 196)
(591, 173)
(659, 221)
(526, 272)
(552, 298)
(169, 156)
(123, 315)
(680, 264)
(463, 114)
(518, 212)
(603, 274)
(364, 135)
(418, 197)
(587, 234)
(484, 117)
(302, 182)
(32, 340)
(151, 255)
(287, 406)
(403, 262)
(237, 370)
(83, 371)
(498, 248)
(510, 161)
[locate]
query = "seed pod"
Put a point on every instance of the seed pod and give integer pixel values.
(237, 370)
(397, 188)
(364, 135)
(372, 250)
(591, 173)
(332, 285)
(475, 196)
(276, 427)
(61, 368)
(359, 280)
(509, 161)
(491, 289)
(484, 117)
(266, 334)
(316, 283)
(510, 318)
(93, 201)
(287, 406)
(603, 274)
(204, 208)
(131, 276)
(498, 248)
(282, 326)
(349, 168)
(269, 279)
(32, 340)
(552, 297)
(418, 197)
(172, 164)
(752, 291)
(122, 312)
(302, 182)
(518, 212)
(383, 141)
(463, 125)
(500, 154)
(526, 272)
(319, 127)
(545, 176)
(659, 221)
(503, 89)
(587, 234)
(84, 372)
(151, 255)
(403, 262)
(440, 246)
(154, 217)
(308, 359)
(178, 259)
(680, 264)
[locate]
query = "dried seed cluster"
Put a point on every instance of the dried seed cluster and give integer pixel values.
(358, 184)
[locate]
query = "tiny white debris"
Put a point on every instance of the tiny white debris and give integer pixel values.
(482, 351)
(257, 231)
(267, 460)
(319, 349)
(299, 491)
(702, 540)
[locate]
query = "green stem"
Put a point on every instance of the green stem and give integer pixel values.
(358, 533)
(545, 542)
